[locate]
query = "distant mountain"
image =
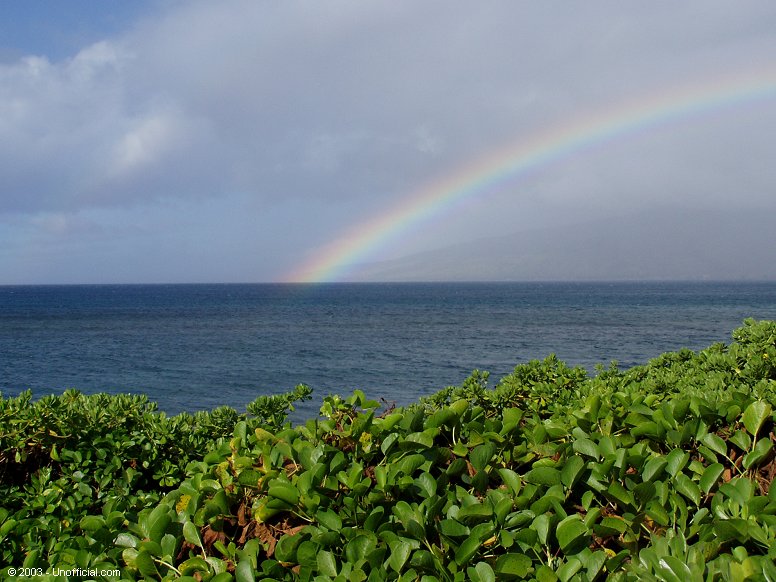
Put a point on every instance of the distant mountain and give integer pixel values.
(666, 244)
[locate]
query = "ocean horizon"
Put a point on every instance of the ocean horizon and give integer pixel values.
(192, 347)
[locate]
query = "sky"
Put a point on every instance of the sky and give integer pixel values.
(166, 141)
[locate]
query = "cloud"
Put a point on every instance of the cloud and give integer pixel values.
(283, 99)
(318, 115)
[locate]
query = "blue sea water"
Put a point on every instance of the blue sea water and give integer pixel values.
(194, 347)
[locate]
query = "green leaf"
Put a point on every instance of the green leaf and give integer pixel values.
(145, 564)
(517, 565)
(169, 543)
(284, 491)
(675, 461)
(502, 509)
(511, 418)
(475, 513)
(570, 531)
(620, 493)
(251, 550)
(592, 516)
(460, 406)
(571, 471)
(467, 549)
(129, 555)
(92, 523)
(710, 476)
(426, 483)
(485, 572)
(249, 477)
(329, 519)
(457, 467)
(422, 559)
(755, 415)
(244, 572)
(593, 563)
(410, 463)
(688, 488)
(453, 528)
(760, 452)
(461, 450)
(285, 550)
(126, 540)
(653, 468)
(481, 455)
(327, 563)
(195, 564)
(741, 439)
(647, 428)
(739, 490)
(374, 519)
(730, 530)
(358, 548)
(441, 417)
(388, 442)
(8, 526)
(567, 570)
(511, 480)
(674, 569)
(658, 513)
(191, 534)
(381, 477)
(403, 511)
(715, 443)
(400, 551)
(424, 438)
(414, 530)
(218, 505)
(548, 476)
(586, 447)
(307, 554)
(644, 492)
(520, 519)
(157, 523)
(611, 526)
(542, 527)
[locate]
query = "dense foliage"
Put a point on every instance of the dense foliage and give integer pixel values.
(659, 472)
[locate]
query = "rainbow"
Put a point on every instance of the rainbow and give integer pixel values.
(335, 260)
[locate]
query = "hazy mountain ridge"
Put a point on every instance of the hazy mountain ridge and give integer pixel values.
(664, 244)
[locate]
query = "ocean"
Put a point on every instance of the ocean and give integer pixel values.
(195, 347)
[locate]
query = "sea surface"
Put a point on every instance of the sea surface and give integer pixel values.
(195, 347)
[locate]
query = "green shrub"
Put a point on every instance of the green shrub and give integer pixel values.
(660, 472)
(73, 468)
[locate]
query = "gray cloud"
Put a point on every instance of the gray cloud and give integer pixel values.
(319, 114)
